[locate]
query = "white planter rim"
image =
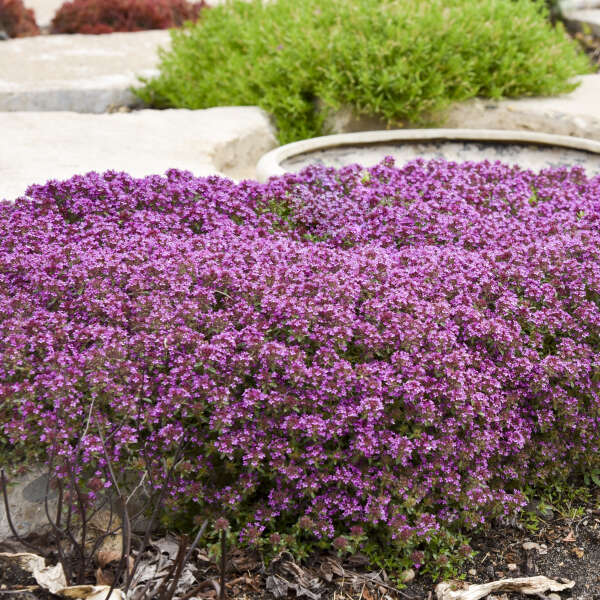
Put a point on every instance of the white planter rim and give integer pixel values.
(270, 164)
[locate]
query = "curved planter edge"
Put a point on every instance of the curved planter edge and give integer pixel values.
(270, 164)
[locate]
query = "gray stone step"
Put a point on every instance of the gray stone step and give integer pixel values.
(37, 147)
(80, 73)
(566, 6)
(576, 114)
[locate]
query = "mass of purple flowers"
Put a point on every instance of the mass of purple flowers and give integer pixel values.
(394, 348)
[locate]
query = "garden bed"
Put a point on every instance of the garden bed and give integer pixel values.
(368, 361)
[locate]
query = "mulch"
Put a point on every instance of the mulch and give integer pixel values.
(561, 545)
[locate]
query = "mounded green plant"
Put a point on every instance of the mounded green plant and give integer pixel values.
(400, 61)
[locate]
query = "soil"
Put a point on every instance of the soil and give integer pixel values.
(560, 546)
(590, 45)
(15, 579)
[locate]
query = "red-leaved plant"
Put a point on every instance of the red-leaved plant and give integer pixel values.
(16, 20)
(109, 16)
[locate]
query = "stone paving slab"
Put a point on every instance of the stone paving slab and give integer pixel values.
(576, 114)
(569, 5)
(37, 147)
(80, 73)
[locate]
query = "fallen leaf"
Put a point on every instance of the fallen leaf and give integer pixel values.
(167, 545)
(26, 560)
(243, 561)
(103, 578)
(578, 552)
(366, 594)
(107, 556)
(91, 592)
(277, 586)
(570, 537)
(51, 578)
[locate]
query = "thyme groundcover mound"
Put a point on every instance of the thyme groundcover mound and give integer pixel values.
(397, 352)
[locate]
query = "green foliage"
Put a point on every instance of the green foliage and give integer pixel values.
(568, 500)
(399, 61)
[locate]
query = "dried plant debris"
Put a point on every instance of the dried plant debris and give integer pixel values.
(523, 585)
(52, 578)
(286, 576)
(161, 565)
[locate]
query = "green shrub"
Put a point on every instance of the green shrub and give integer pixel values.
(400, 61)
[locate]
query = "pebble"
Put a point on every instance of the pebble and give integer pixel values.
(512, 567)
(407, 576)
(541, 548)
(472, 572)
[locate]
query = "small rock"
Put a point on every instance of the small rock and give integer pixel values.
(3, 35)
(541, 548)
(26, 495)
(512, 567)
(407, 576)
(472, 572)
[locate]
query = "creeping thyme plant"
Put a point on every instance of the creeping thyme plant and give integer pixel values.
(402, 62)
(363, 358)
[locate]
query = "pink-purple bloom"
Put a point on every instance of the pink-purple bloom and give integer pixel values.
(404, 351)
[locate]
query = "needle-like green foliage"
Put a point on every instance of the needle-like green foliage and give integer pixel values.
(400, 61)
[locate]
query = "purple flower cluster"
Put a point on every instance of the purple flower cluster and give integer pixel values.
(399, 348)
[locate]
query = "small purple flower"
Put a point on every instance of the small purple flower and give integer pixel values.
(402, 347)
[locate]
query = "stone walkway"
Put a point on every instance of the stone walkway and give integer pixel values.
(55, 92)
(56, 145)
(81, 73)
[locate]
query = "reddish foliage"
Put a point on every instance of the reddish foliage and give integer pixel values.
(108, 16)
(16, 20)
